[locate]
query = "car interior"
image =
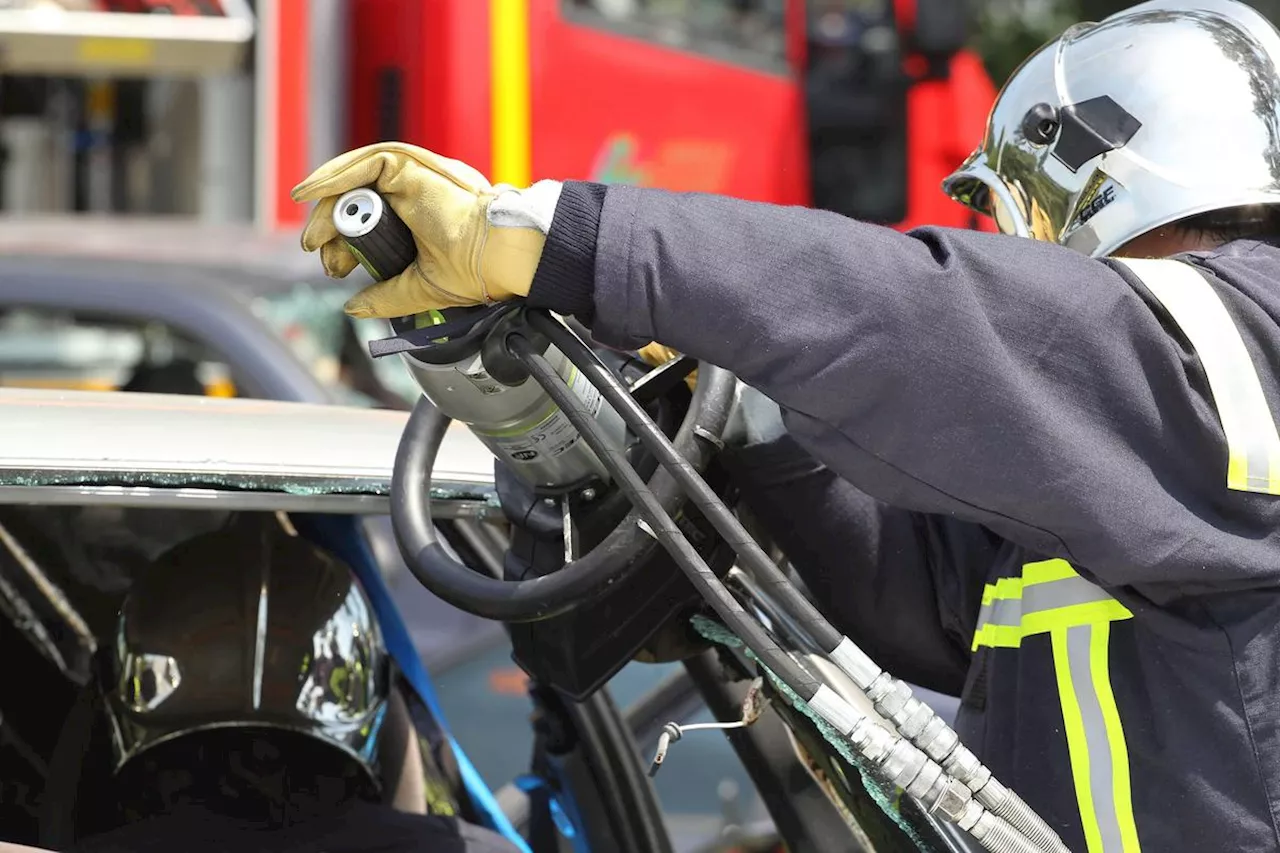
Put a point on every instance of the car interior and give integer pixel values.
(73, 350)
(63, 573)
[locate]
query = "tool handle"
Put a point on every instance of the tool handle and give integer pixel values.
(380, 240)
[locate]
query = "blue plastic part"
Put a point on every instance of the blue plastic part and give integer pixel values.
(341, 535)
(564, 823)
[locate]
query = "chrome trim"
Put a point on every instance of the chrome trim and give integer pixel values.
(260, 637)
(978, 171)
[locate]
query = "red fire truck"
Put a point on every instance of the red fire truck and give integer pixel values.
(860, 106)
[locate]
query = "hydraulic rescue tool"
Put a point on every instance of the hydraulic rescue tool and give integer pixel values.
(584, 518)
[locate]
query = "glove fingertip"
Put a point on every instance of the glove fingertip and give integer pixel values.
(319, 229)
(358, 308)
(370, 303)
(337, 259)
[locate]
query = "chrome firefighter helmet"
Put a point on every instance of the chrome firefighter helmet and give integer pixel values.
(248, 627)
(1167, 110)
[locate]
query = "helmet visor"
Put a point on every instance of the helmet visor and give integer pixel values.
(978, 187)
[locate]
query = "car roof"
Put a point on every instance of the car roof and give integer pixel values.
(86, 447)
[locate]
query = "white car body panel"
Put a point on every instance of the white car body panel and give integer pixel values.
(84, 447)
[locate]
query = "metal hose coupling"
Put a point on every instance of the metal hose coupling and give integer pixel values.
(1009, 806)
(918, 723)
(904, 764)
(907, 766)
(942, 794)
(998, 836)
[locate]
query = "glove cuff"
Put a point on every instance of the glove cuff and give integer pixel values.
(531, 208)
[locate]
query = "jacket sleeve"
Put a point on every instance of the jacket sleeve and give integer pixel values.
(1002, 381)
(891, 579)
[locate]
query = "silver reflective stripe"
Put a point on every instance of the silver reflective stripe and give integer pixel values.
(1252, 443)
(1067, 592)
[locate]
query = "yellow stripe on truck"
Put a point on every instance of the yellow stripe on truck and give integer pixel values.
(510, 100)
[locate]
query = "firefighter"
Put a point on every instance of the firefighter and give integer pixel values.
(1080, 424)
(252, 706)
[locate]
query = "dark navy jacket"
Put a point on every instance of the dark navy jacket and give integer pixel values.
(1031, 504)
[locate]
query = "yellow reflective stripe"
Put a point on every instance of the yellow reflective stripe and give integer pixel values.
(1049, 595)
(1004, 588)
(1100, 666)
(1051, 598)
(998, 636)
(1095, 738)
(1047, 571)
(510, 100)
(1046, 621)
(1253, 446)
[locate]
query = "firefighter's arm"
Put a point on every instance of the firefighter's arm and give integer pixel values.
(891, 579)
(1015, 384)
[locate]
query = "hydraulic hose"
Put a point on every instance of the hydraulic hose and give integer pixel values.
(902, 762)
(553, 594)
(891, 697)
(725, 523)
(659, 521)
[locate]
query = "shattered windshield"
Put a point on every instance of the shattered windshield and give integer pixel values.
(310, 319)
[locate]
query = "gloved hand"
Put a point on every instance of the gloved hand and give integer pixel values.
(656, 355)
(477, 243)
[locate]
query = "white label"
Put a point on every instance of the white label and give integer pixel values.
(555, 435)
(586, 392)
(480, 378)
(549, 439)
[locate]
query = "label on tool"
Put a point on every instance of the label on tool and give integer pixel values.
(479, 377)
(555, 435)
(586, 392)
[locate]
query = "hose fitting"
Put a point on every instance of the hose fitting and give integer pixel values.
(918, 723)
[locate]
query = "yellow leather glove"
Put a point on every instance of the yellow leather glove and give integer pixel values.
(656, 355)
(463, 257)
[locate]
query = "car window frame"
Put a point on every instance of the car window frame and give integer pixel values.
(203, 305)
